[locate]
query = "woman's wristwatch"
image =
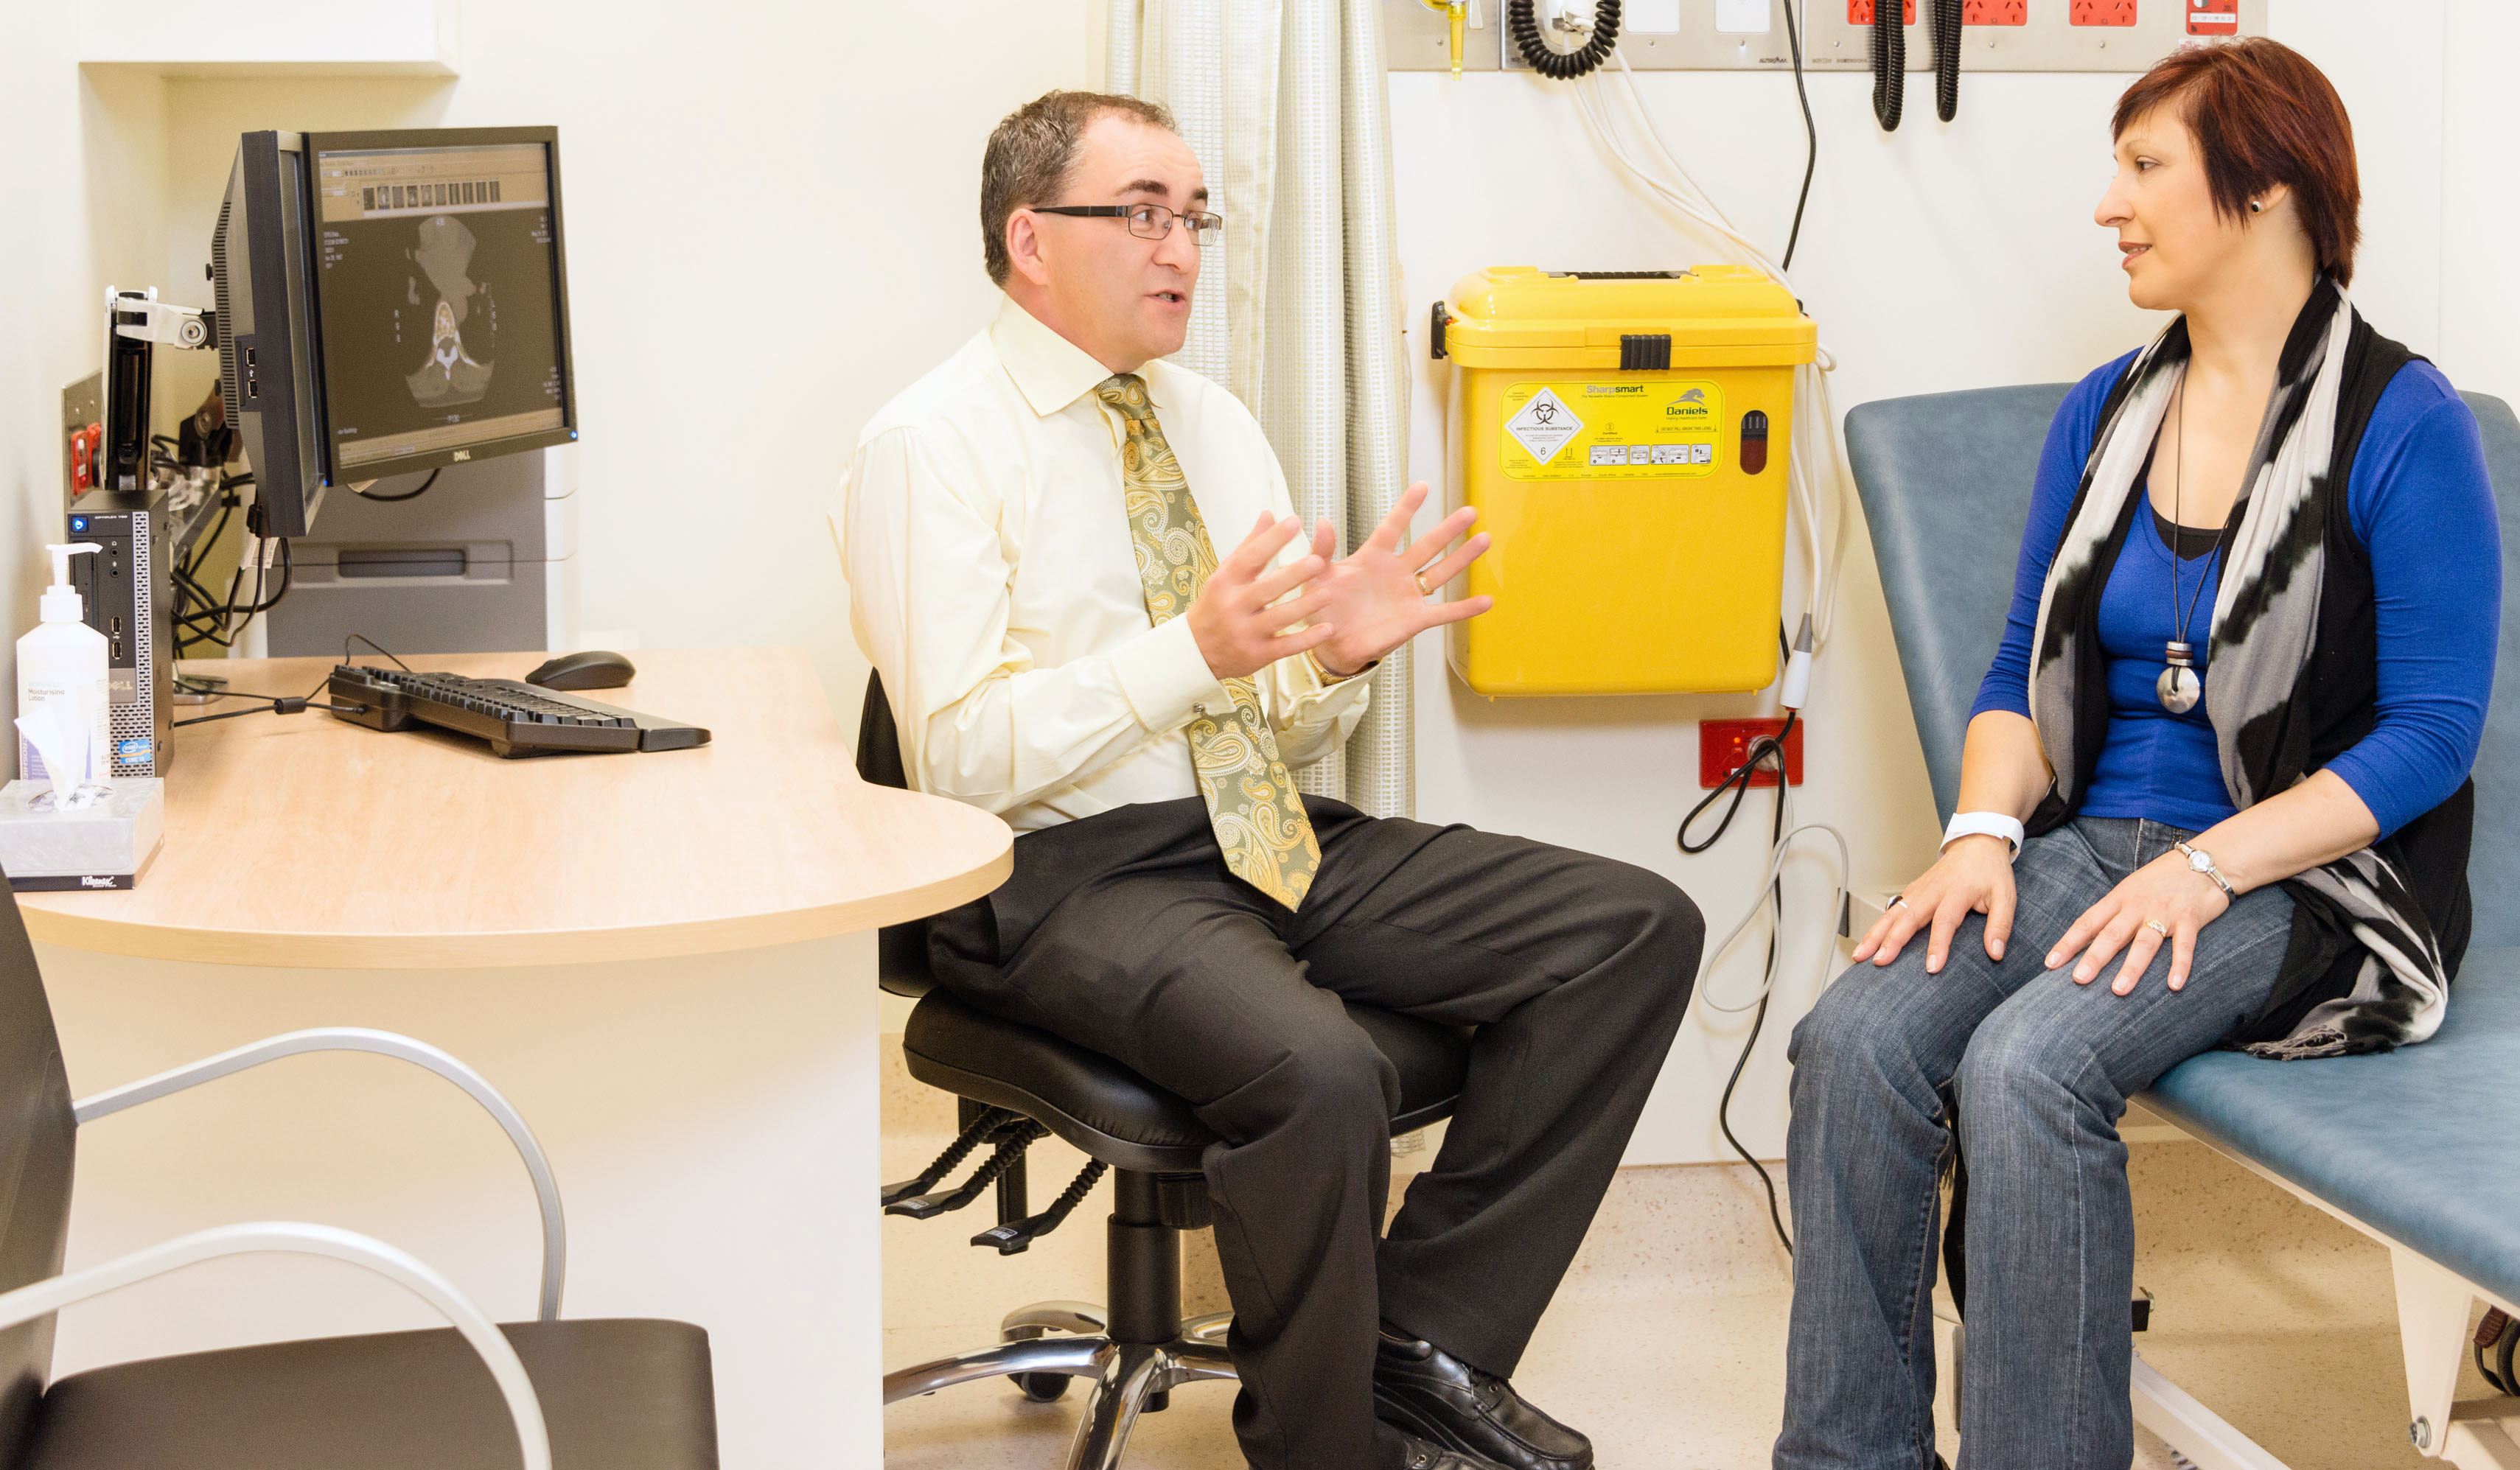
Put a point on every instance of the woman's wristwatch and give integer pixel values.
(2201, 861)
(1986, 825)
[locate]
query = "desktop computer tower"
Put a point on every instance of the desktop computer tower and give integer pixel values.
(126, 593)
(481, 561)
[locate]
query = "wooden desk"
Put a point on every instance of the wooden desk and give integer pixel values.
(302, 840)
(708, 1093)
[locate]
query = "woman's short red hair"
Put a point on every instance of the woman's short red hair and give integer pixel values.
(2263, 115)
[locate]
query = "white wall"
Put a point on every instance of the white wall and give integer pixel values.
(1940, 257)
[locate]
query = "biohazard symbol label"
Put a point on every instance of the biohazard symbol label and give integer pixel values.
(1544, 426)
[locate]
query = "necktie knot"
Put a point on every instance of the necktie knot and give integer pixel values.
(1126, 394)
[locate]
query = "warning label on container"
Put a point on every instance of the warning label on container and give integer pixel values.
(1542, 425)
(1626, 430)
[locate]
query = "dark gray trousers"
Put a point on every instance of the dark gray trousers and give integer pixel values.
(1125, 934)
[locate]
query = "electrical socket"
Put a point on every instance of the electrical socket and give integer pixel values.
(2103, 11)
(1999, 12)
(1724, 746)
(1860, 12)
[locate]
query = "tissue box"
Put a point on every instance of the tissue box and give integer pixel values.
(106, 846)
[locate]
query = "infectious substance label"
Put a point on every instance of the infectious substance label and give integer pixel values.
(1618, 430)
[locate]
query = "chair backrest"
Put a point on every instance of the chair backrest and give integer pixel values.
(901, 950)
(36, 1150)
(1946, 480)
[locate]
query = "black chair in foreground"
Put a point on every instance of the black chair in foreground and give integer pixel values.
(1017, 1085)
(602, 1395)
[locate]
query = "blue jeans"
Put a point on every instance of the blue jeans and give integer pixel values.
(2040, 1070)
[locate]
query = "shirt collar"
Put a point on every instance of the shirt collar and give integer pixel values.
(1049, 370)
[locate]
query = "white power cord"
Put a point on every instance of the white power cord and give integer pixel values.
(1758, 904)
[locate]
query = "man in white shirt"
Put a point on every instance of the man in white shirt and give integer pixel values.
(1075, 570)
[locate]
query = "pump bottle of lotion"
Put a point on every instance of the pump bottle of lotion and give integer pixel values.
(63, 660)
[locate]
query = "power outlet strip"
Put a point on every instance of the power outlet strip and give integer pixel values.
(2123, 37)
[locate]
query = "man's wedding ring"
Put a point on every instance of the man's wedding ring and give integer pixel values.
(1896, 902)
(2157, 927)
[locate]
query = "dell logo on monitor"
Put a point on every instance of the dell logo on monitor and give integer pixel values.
(462, 455)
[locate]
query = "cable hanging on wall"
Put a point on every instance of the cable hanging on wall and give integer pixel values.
(1522, 24)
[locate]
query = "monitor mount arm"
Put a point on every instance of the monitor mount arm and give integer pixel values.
(135, 323)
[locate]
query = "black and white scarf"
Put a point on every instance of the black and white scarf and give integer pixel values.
(2261, 642)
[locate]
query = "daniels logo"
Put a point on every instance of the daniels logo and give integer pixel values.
(90, 880)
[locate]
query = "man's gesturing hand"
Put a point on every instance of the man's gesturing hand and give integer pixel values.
(1237, 631)
(1374, 599)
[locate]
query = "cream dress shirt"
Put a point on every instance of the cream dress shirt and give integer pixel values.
(994, 586)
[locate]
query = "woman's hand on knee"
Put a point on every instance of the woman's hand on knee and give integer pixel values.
(2163, 900)
(1973, 875)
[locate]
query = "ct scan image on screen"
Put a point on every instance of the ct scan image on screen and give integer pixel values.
(438, 297)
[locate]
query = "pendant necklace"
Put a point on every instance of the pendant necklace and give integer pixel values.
(2180, 685)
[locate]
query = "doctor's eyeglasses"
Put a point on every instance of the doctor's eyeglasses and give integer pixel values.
(1147, 221)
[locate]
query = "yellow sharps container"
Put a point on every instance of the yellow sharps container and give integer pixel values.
(1624, 436)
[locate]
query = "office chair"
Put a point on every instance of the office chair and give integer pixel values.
(1017, 1083)
(621, 1394)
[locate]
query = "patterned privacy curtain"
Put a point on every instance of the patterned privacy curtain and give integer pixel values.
(1298, 311)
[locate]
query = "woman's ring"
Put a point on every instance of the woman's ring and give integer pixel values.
(1423, 589)
(2157, 927)
(1896, 902)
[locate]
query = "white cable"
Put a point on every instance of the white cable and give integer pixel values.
(1816, 458)
(1759, 905)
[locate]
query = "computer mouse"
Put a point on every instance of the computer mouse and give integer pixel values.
(594, 669)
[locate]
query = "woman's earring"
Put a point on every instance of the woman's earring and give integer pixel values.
(2256, 207)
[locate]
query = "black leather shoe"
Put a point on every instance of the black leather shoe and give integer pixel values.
(1428, 1391)
(1398, 1449)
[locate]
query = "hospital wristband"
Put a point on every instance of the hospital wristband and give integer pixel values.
(1986, 825)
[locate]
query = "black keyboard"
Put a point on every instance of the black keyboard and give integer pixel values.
(516, 717)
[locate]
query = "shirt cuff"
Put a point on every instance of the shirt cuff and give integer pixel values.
(1166, 678)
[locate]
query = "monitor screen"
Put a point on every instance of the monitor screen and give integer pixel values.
(437, 301)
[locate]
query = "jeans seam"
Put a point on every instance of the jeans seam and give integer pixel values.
(1925, 1245)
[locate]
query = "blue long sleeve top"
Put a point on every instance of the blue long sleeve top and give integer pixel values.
(2418, 499)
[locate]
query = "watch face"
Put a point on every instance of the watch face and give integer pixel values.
(2199, 859)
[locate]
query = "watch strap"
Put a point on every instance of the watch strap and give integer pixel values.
(1986, 825)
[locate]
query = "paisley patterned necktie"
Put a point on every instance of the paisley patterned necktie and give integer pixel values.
(1252, 802)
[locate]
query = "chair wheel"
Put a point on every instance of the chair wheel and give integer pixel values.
(1040, 1388)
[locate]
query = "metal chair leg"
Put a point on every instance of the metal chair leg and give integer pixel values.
(1075, 1357)
(1207, 1329)
(1130, 1374)
(1083, 1318)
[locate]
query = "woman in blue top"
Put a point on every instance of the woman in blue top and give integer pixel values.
(2214, 791)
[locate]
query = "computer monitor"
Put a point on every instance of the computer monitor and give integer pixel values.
(390, 302)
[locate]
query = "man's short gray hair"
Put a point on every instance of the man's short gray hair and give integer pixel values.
(1033, 150)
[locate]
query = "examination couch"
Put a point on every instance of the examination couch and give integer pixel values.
(2418, 1148)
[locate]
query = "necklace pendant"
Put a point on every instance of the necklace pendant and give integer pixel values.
(2180, 687)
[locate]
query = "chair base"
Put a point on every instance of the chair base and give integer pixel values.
(1128, 1378)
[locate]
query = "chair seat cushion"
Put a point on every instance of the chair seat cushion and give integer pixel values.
(616, 1395)
(1113, 1114)
(2415, 1143)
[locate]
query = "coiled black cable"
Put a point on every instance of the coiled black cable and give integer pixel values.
(1947, 59)
(1889, 64)
(1563, 66)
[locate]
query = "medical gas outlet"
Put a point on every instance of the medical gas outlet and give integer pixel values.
(1624, 436)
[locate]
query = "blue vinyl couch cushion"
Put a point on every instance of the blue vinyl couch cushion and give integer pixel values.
(2422, 1145)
